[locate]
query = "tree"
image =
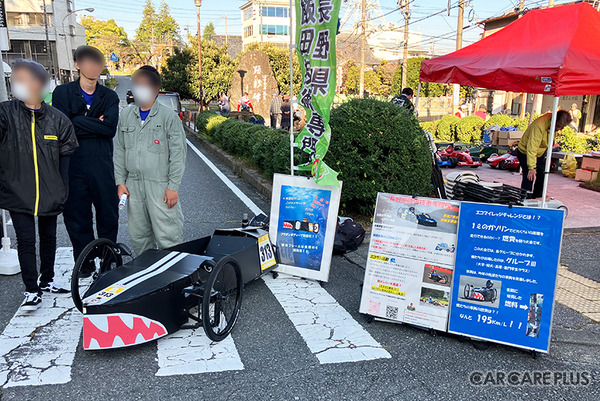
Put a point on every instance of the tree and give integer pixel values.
(209, 30)
(166, 29)
(145, 32)
(351, 80)
(385, 72)
(279, 60)
(428, 89)
(180, 72)
(109, 38)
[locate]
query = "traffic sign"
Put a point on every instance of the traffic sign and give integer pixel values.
(113, 57)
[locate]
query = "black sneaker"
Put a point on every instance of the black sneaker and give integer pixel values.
(32, 301)
(87, 270)
(53, 288)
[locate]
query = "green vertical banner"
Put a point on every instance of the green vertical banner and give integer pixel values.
(316, 29)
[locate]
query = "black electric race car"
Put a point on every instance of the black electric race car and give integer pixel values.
(303, 225)
(411, 214)
(160, 291)
(483, 294)
(442, 279)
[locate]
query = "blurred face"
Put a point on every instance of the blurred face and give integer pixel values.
(574, 107)
(26, 87)
(89, 68)
(144, 93)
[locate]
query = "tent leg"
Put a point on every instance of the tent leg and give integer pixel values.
(549, 151)
(292, 142)
(417, 98)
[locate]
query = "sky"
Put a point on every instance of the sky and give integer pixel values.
(441, 28)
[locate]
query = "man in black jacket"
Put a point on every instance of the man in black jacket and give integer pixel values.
(36, 141)
(94, 111)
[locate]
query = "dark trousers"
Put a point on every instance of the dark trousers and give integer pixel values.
(538, 187)
(91, 184)
(24, 225)
(275, 119)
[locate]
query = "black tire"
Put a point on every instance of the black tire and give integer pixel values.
(316, 228)
(222, 299)
(98, 257)
(445, 279)
(502, 165)
(494, 295)
(467, 291)
(453, 162)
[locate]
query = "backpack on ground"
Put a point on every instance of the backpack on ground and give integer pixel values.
(348, 236)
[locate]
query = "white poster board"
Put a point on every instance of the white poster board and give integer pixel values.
(411, 260)
(303, 225)
(4, 40)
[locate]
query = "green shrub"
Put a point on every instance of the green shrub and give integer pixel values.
(499, 119)
(571, 141)
(521, 124)
(445, 128)
(377, 147)
(208, 121)
(468, 129)
(430, 126)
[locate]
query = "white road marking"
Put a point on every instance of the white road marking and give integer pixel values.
(327, 328)
(38, 348)
(189, 352)
(238, 192)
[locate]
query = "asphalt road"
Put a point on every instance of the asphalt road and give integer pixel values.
(277, 363)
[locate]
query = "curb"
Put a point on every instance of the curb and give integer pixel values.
(248, 174)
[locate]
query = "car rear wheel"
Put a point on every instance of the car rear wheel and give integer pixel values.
(453, 162)
(98, 257)
(222, 299)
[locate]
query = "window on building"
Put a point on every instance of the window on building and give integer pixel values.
(248, 31)
(26, 19)
(248, 13)
(37, 19)
(275, 30)
(281, 12)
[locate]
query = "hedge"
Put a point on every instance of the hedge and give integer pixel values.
(266, 149)
(377, 147)
(502, 120)
(445, 128)
(469, 129)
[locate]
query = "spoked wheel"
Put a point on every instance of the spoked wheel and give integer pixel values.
(222, 299)
(467, 291)
(98, 257)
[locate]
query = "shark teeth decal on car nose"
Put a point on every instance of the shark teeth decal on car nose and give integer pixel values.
(119, 330)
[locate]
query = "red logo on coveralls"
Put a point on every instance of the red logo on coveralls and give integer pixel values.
(156, 141)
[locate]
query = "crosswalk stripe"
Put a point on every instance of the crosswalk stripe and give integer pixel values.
(38, 347)
(327, 328)
(189, 352)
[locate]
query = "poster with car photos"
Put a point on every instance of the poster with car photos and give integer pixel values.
(303, 224)
(411, 260)
(505, 277)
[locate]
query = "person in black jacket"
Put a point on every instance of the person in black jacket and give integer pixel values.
(36, 141)
(94, 111)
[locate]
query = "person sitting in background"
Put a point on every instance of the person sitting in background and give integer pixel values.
(244, 104)
(532, 151)
(36, 141)
(150, 153)
(462, 111)
(405, 100)
(576, 116)
(482, 112)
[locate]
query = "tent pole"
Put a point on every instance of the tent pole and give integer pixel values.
(549, 151)
(417, 99)
(292, 142)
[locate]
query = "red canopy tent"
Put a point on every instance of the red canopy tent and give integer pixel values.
(553, 51)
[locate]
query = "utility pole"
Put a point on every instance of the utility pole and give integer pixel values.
(48, 48)
(201, 93)
(406, 5)
(459, 36)
(363, 40)
(226, 37)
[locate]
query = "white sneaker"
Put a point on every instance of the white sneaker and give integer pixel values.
(53, 288)
(32, 301)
